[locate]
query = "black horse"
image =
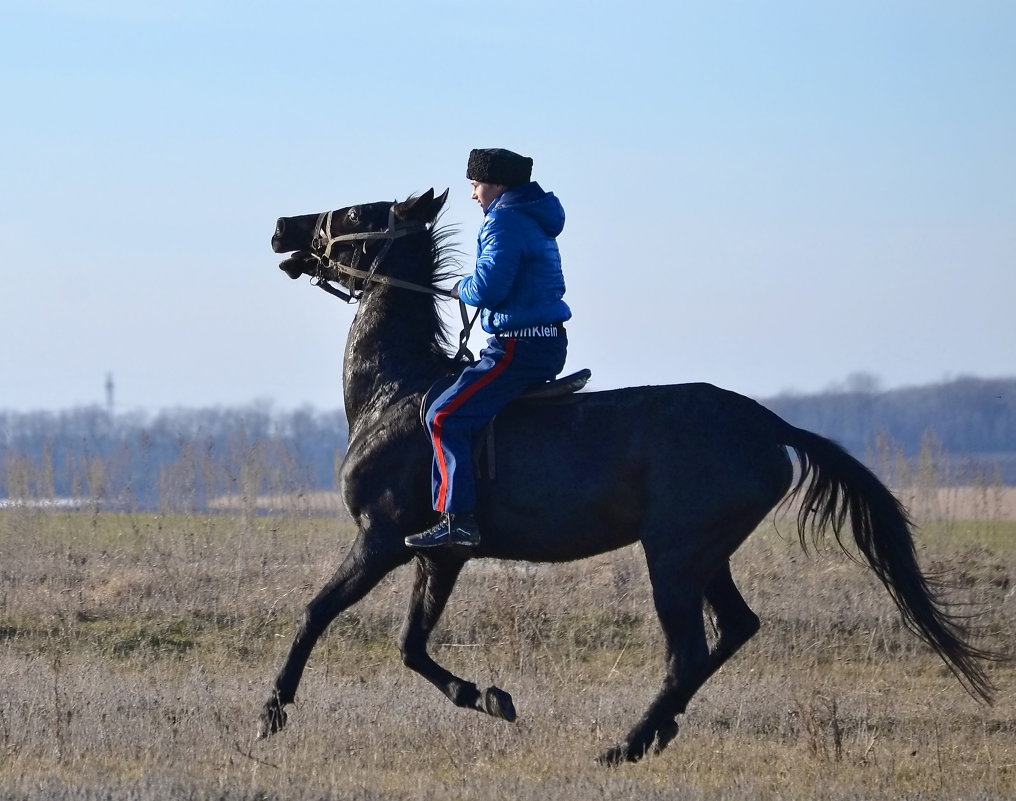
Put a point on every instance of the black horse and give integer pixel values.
(688, 470)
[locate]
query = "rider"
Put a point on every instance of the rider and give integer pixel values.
(518, 286)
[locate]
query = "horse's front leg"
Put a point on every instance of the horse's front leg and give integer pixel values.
(435, 579)
(369, 560)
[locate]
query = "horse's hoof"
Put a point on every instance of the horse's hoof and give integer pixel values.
(615, 756)
(619, 754)
(664, 735)
(273, 719)
(498, 703)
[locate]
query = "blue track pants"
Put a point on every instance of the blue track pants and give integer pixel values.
(507, 367)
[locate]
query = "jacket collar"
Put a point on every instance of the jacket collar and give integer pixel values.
(523, 193)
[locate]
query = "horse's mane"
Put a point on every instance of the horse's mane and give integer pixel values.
(446, 267)
(446, 253)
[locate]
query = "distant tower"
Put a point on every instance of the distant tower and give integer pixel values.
(109, 393)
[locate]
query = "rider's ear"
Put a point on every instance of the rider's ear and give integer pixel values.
(421, 209)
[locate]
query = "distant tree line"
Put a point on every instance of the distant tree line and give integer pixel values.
(972, 419)
(175, 460)
(179, 460)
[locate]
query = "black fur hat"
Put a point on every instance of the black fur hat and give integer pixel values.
(495, 165)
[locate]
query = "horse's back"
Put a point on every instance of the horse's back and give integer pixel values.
(590, 472)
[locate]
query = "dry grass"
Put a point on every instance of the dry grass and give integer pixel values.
(135, 651)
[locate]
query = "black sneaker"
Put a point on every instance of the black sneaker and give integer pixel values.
(454, 529)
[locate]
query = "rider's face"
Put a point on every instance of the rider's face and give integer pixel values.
(484, 194)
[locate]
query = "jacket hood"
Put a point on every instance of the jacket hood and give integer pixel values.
(531, 200)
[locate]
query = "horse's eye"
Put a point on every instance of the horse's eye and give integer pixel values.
(353, 216)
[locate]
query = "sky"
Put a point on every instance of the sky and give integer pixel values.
(771, 197)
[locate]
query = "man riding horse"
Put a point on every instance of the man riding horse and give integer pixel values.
(688, 471)
(519, 286)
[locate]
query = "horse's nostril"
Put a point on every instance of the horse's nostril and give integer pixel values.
(280, 229)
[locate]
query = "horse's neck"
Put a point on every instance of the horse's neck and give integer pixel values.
(390, 354)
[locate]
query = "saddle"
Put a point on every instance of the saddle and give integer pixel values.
(557, 388)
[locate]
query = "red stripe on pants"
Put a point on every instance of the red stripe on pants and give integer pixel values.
(457, 403)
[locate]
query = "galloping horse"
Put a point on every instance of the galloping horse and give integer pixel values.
(688, 471)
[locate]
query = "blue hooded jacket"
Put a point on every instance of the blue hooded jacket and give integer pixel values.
(518, 280)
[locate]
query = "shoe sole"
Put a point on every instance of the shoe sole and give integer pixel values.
(446, 544)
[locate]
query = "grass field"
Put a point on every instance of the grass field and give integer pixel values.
(136, 650)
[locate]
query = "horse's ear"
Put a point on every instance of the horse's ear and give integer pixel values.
(421, 209)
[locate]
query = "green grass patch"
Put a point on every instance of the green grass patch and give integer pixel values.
(149, 637)
(107, 530)
(997, 535)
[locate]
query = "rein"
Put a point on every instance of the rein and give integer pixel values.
(323, 242)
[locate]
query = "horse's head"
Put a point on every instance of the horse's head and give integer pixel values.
(351, 234)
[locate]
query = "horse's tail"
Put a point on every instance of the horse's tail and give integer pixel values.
(836, 484)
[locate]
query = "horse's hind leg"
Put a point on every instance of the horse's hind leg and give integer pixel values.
(435, 579)
(361, 570)
(678, 594)
(735, 622)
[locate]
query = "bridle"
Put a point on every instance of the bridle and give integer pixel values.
(321, 251)
(322, 243)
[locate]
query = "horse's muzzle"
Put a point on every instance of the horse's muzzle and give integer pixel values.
(293, 233)
(298, 264)
(278, 240)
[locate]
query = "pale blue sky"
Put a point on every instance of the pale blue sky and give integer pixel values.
(764, 196)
